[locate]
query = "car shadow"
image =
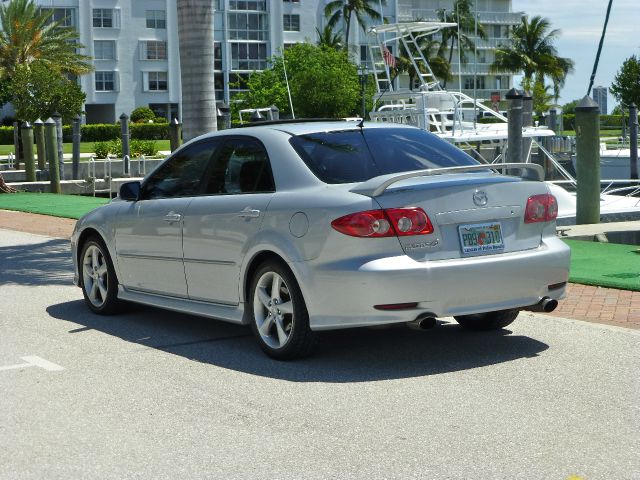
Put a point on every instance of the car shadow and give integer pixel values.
(42, 263)
(353, 355)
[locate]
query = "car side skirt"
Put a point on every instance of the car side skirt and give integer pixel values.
(228, 313)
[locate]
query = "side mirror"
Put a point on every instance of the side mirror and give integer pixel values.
(130, 191)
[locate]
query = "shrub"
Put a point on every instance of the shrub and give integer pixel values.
(101, 149)
(160, 120)
(142, 114)
(150, 131)
(100, 132)
(6, 135)
(143, 147)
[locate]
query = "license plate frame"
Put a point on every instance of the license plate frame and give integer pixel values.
(473, 237)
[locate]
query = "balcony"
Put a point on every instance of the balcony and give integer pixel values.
(407, 14)
(470, 69)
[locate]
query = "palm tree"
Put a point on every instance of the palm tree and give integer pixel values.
(440, 67)
(337, 10)
(463, 16)
(328, 38)
(195, 36)
(532, 52)
(28, 35)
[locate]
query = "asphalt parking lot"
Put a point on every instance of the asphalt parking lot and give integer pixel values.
(154, 394)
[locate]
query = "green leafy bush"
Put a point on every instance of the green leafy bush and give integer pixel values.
(150, 131)
(6, 135)
(100, 132)
(143, 147)
(142, 114)
(114, 147)
(101, 149)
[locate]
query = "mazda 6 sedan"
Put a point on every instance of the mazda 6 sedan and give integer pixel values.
(294, 228)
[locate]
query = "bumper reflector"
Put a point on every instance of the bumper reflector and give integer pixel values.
(396, 306)
(556, 286)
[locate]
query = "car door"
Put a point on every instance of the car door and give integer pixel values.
(218, 225)
(149, 231)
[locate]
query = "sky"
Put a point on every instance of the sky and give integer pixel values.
(581, 22)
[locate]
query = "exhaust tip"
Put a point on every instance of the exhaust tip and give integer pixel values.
(423, 322)
(549, 305)
(546, 305)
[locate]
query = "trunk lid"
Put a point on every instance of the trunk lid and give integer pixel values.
(465, 207)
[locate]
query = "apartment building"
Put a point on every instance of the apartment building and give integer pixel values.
(600, 94)
(134, 44)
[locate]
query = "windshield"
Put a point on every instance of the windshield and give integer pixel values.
(350, 156)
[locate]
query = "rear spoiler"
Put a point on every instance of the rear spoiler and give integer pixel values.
(376, 186)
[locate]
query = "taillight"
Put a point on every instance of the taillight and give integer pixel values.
(409, 221)
(384, 223)
(541, 208)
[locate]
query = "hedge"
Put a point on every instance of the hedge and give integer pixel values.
(103, 132)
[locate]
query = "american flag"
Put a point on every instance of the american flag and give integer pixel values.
(389, 59)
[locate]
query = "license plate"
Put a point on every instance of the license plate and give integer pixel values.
(481, 237)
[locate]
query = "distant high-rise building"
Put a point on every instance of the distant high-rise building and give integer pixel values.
(600, 97)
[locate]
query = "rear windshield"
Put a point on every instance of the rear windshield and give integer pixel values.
(349, 156)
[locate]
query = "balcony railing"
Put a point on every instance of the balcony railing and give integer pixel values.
(470, 69)
(406, 14)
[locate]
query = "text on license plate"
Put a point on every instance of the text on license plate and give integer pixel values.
(482, 237)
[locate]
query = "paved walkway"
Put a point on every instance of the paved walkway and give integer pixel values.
(583, 302)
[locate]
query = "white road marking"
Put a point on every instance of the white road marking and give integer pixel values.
(33, 361)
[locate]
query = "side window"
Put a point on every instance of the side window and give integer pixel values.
(181, 175)
(242, 166)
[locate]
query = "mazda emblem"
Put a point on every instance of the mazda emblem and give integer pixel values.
(480, 198)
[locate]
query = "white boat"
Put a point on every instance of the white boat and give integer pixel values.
(615, 164)
(452, 116)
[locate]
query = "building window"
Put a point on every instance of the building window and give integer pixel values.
(248, 26)
(105, 18)
(248, 56)
(105, 81)
(291, 23)
(156, 19)
(260, 5)
(363, 53)
(287, 46)
(166, 110)
(217, 56)
(65, 16)
(153, 50)
(468, 83)
(155, 81)
(104, 49)
(291, 1)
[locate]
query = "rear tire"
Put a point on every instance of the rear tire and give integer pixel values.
(98, 278)
(280, 320)
(488, 321)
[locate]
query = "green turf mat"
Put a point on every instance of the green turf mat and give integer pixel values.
(67, 206)
(605, 264)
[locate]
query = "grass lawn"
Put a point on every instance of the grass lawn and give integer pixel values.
(67, 206)
(605, 264)
(85, 147)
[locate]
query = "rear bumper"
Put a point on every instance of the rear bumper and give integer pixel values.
(343, 295)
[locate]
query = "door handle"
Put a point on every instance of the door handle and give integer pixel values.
(172, 217)
(249, 212)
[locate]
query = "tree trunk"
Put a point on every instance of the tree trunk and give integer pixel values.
(195, 35)
(4, 188)
(453, 41)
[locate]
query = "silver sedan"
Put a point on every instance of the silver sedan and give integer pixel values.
(294, 228)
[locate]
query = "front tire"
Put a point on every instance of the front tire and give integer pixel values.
(98, 278)
(488, 320)
(280, 320)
